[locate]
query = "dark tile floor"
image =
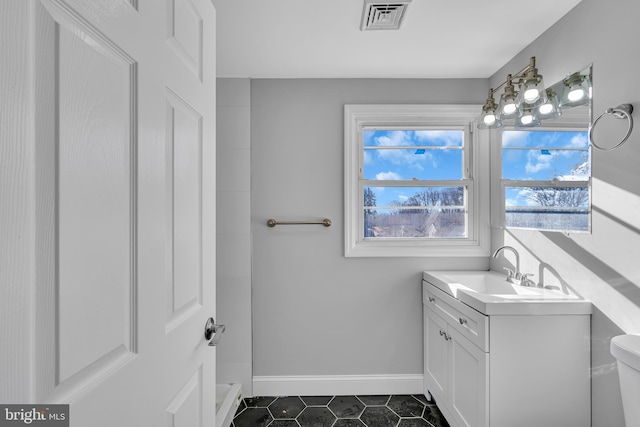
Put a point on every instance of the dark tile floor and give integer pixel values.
(339, 411)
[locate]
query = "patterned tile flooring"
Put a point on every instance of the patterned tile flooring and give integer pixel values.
(339, 411)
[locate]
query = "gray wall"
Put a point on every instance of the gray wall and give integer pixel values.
(604, 266)
(316, 312)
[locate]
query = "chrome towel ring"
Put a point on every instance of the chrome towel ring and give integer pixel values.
(622, 111)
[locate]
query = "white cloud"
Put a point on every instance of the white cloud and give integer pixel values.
(447, 136)
(579, 140)
(406, 157)
(388, 176)
(525, 195)
(538, 162)
(367, 158)
(395, 138)
(514, 138)
(511, 202)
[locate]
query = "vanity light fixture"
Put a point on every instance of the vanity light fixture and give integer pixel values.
(532, 102)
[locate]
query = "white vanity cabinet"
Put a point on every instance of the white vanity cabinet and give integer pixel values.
(455, 370)
(505, 370)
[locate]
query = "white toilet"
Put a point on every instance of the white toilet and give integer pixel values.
(626, 348)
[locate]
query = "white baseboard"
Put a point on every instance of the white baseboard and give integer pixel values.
(337, 385)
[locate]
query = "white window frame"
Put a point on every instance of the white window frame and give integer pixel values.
(359, 117)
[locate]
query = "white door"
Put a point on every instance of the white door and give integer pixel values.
(119, 209)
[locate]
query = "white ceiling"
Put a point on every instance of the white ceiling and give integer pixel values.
(322, 38)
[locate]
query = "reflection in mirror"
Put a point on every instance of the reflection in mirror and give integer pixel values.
(570, 97)
(546, 162)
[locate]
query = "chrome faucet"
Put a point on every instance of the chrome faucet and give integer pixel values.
(512, 276)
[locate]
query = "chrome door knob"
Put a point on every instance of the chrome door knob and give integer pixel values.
(213, 332)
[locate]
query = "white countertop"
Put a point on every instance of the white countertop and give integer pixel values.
(490, 293)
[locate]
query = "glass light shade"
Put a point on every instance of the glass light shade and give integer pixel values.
(489, 119)
(577, 91)
(508, 101)
(532, 91)
(509, 108)
(551, 108)
(527, 118)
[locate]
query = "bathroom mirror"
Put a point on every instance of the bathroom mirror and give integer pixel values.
(573, 97)
(546, 166)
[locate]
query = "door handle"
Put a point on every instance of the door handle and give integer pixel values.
(213, 332)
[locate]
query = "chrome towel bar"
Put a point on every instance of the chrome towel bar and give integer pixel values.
(272, 222)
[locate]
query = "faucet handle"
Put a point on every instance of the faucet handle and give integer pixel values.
(510, 272)
(526, 281)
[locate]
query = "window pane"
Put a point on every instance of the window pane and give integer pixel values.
(413, 154)
(406, 164)
(547, 208)
(406, 197)
(545, 164)
(545, 155)
(415, 223)
(545, 139)
(415, 212)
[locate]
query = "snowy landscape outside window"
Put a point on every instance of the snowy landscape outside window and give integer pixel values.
(546, 180)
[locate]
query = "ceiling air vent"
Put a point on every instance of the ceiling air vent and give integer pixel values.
(378, 15)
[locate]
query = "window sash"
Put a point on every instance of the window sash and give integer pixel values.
(558, 211)
(466, 182)
(504, 209)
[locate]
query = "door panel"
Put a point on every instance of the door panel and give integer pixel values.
(186, 34)
(124, 148)
(95, 214)
(183, 411)
(185, 144)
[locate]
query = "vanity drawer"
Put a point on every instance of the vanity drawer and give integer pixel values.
(470, 323)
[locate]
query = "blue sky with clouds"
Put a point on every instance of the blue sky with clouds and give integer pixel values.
(412, 154)
(543, 155)
(541, 160)
(437, 155)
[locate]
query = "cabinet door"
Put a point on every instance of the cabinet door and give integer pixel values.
(435, 356)
(468, 381)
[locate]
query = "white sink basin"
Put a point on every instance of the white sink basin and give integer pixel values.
(490, 293)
